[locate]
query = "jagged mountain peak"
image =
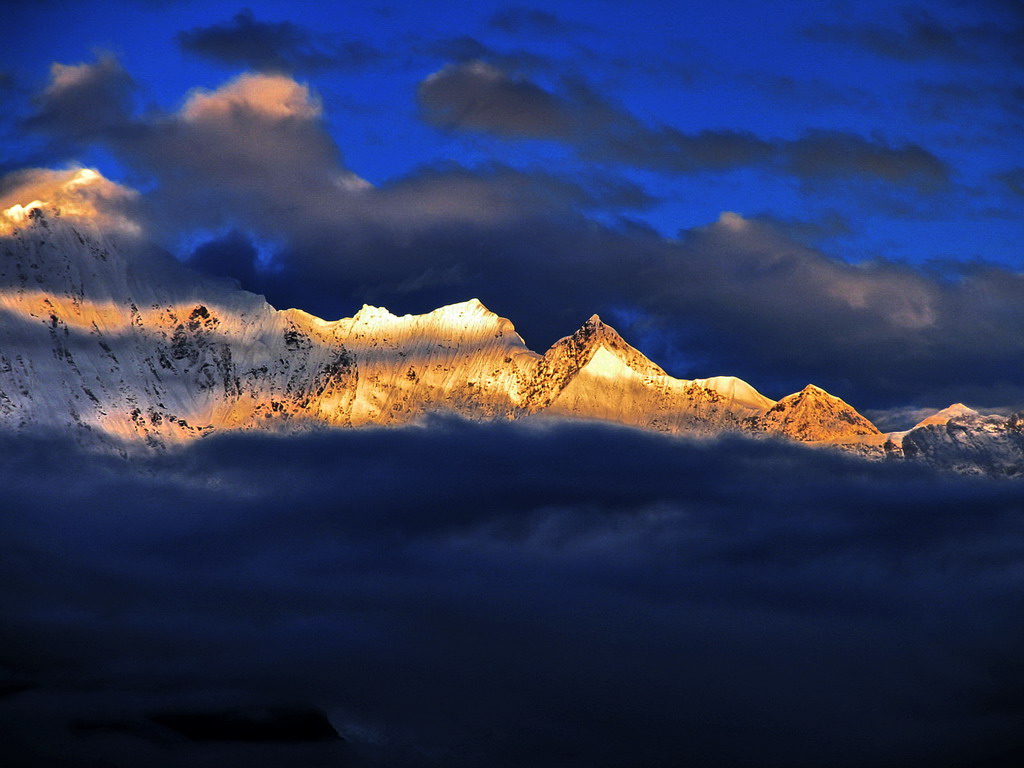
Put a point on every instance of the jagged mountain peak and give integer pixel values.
(939, 418)
(369, 313)
(815, 392)
(594, 335)
(468, 310)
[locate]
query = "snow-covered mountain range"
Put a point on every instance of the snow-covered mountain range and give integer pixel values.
(108, 338)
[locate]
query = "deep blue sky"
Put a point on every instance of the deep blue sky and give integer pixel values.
(565, 160)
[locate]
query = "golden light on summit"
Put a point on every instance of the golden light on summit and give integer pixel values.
(81, 193)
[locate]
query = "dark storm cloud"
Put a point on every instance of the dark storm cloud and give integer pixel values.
(232, 254)
(520, 20)
(85, 102)
(465, 49)
(976, 110)
(813, 92)
(503, 193)
(639, 601)
(476, 96)
(273, 46)
(923, 37)
(862, 326)
(668, 150)
(1013, 180)
(838, 155)
(256, 146)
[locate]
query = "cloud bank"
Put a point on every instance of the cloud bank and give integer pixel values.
(502, 595)
(273, 46)
(480, 97)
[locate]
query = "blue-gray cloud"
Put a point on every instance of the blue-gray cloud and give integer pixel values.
(922, 36)
(528, 21)
(476, 96)
(640, 600)
(273, 46)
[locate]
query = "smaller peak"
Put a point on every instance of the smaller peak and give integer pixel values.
(596, 329)
(473, 303)
(595, 334)
(816, 393)
(810, 393)
(370, 312)
(595, 325)
(943, 416)
(461, 307)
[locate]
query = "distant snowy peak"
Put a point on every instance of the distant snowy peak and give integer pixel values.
(895, 439)
(969, 443)
(813, 415)
(941, 417)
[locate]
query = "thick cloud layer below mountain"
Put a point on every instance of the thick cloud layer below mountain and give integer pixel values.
(510, 595)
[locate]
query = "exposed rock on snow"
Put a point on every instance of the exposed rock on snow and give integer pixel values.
(971, 444)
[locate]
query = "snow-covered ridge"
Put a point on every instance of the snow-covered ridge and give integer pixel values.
(103, 337)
